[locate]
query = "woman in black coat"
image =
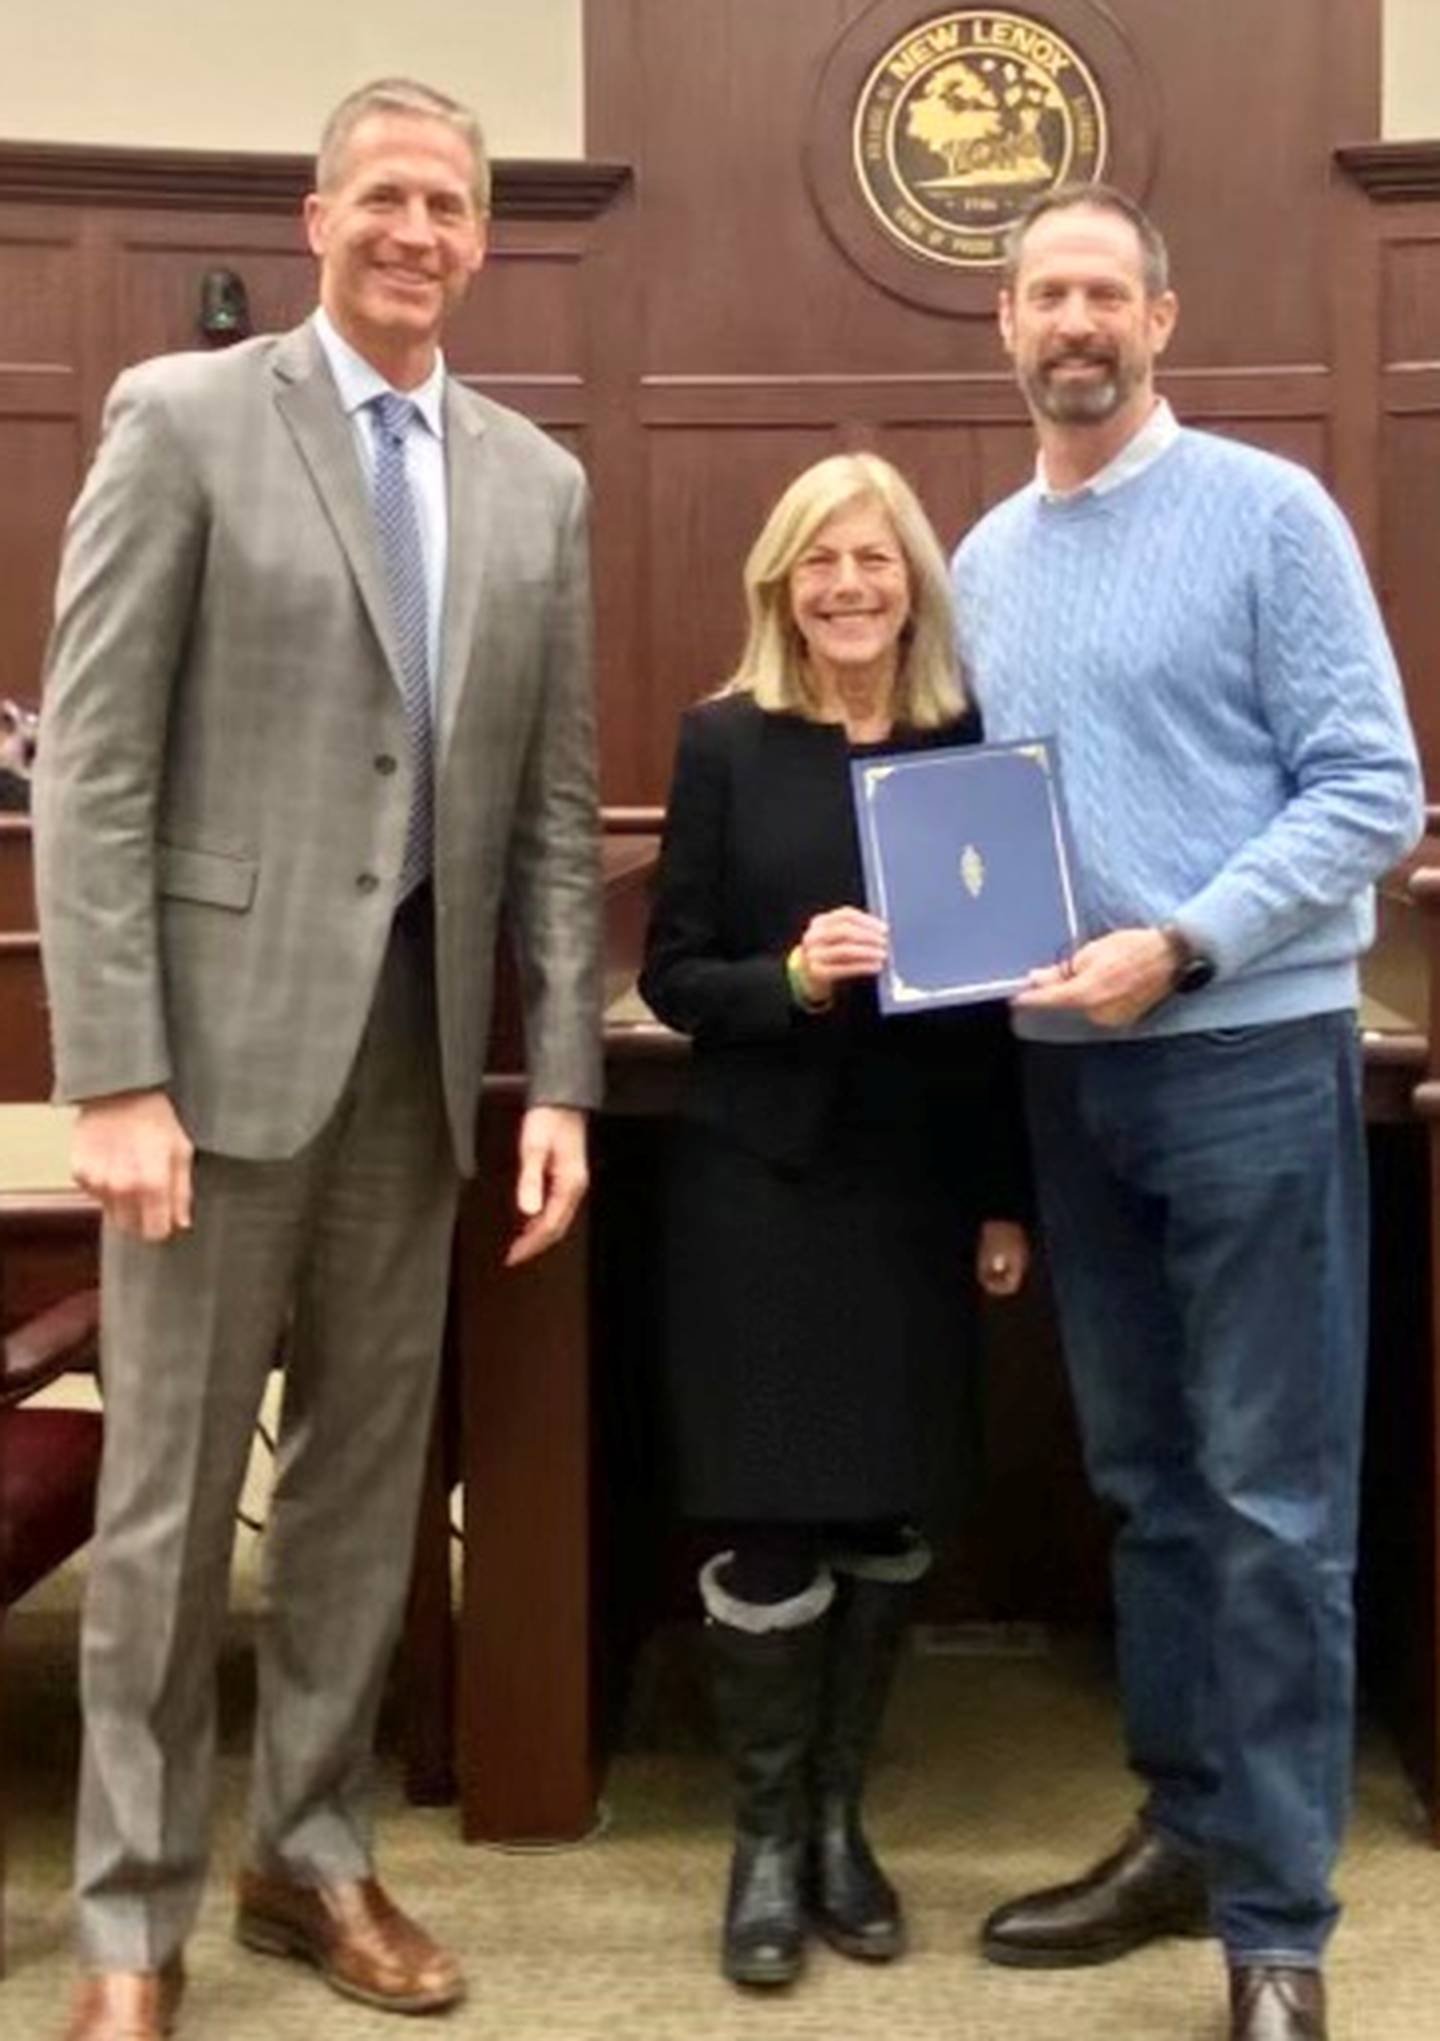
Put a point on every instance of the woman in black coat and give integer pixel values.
(840, 1184)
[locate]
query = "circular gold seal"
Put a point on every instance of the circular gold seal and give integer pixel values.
(964, 120)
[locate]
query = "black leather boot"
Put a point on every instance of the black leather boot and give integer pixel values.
(766, 1687)
(1147, 1887)
(852, 1902)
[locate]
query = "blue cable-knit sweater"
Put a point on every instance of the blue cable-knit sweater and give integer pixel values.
(1203, 642)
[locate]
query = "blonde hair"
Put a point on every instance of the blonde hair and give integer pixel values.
(403, 96)
(773, 667)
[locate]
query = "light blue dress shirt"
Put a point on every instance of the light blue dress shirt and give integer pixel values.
(1155, 437)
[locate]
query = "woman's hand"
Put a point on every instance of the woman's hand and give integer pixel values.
(1002, 1257)
(844, 942)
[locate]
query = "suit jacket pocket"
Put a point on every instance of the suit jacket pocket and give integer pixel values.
(208, 876)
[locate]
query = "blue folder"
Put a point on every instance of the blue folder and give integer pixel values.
(966, 858)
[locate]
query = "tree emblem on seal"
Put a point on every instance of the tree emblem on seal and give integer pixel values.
(965, 119)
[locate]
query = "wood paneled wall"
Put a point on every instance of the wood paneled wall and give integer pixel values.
(756, 344)
(1400, 290)
(703, 336)
(695, 333)
(101, 256)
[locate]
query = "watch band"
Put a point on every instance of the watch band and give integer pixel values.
(1193, 969)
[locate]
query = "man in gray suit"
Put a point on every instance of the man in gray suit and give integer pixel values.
(317, 710)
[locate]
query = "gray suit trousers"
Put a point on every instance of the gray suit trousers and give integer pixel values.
(346, 1244)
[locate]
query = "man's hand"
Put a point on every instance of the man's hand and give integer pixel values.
(844, 942)
(553, 1179)
(132, 1155)
(1112, 980)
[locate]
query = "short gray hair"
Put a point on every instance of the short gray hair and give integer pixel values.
(404, 96)
(1099, 198)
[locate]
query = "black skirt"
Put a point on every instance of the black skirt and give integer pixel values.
(820, 1333)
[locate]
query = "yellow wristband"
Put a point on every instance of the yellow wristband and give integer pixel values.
(800, 990)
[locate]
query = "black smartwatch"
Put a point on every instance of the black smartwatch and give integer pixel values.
(1193, 969)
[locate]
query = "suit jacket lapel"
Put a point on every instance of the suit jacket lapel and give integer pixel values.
(307, 401)
(469, 512)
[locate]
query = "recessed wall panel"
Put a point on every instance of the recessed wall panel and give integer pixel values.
(39, 302)
(158, 288)
(1410, 493)
(1410, 292)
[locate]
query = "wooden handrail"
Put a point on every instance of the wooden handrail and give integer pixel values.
(632, 821)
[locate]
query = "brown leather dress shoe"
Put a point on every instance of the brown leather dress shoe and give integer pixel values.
(1144, 1889)
(1274, 2002)
(356, 1937)
(127, 2005)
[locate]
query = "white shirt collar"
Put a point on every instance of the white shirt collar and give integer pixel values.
(1155, 437)
(358, 381)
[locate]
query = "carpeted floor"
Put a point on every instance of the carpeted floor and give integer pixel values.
(997, 1773)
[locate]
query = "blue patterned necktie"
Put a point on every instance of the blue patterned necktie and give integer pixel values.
(399, 528)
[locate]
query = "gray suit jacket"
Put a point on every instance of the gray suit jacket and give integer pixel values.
(223, 776)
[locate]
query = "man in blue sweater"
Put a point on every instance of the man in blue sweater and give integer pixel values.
(1192, 619)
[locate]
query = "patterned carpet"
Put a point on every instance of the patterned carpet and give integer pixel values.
(998, 1773)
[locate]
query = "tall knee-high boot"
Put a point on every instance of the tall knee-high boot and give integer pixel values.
(851, 1901)
(767, 1662)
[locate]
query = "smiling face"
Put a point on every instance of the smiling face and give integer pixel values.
(398, 237)
(1078, 322)
(850, 596)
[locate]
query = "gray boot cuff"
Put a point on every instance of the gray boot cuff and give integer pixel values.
(757, 1617)
(899, 1568)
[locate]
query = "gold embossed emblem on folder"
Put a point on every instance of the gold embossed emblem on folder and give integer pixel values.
(964, 858)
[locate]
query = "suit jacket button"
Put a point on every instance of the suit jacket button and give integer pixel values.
(385, 763)
(366, 883)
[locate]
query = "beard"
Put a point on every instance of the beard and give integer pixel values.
(1066, 402)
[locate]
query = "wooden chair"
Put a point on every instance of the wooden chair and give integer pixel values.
(49, 1464)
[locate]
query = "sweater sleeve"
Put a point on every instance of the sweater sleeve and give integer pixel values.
(1332, 696)
(689, 977)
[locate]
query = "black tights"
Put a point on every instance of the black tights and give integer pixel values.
(776, 1562)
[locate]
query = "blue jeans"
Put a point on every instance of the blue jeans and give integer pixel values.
(1205, 1209)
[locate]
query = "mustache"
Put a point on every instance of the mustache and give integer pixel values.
(1088, 356)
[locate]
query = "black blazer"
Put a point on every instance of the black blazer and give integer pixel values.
(760, 834)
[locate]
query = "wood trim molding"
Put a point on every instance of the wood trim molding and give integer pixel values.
(1393, 171)
(632, 821)
(68, 173)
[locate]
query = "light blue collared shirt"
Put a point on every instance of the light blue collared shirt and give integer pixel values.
(357, 382)
(1159, 432)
